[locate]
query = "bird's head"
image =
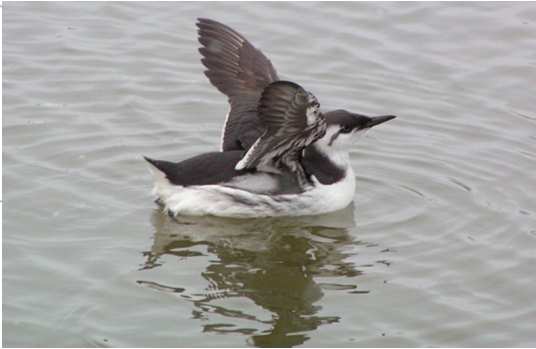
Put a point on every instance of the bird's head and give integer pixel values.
(343, 128)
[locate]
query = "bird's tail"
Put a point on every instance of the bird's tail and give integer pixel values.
(158, 169)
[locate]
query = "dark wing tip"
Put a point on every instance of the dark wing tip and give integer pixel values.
(215, 29)
(207, 22)
(233, 64)
(202, 20)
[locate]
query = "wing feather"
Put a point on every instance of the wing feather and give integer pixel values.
(241, 72)
(285, 110)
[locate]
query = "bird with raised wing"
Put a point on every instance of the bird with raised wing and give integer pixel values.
(280, 155)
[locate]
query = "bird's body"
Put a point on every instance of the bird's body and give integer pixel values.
(254, 195)
(280, 156)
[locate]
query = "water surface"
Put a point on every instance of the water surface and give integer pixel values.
(438, 248)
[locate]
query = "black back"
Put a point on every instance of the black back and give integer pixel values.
(204, 169)
(218, 168)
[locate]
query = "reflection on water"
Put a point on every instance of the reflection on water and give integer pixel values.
(275, 263)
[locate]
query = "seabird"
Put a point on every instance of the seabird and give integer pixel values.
(280, 155)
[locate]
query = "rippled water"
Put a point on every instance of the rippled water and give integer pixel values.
(438, 249)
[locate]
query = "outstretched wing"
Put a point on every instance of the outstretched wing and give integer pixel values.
(241, 72)
(292, 121)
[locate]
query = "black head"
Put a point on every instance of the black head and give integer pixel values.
(343, 122)
(350, 122)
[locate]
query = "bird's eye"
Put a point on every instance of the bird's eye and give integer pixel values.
(346, 129)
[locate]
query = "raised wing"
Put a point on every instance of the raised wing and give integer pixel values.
(241, 72)
(292, 121)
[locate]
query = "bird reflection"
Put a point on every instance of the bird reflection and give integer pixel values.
(276, 263)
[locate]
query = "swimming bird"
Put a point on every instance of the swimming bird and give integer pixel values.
(280, 155)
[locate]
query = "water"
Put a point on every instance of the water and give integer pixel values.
(438, 248)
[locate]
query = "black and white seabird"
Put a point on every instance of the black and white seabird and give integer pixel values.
(280, 155)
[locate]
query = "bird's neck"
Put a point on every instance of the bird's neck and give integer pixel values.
(326, 163)
(339, 157)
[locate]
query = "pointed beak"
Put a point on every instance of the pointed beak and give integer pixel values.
(379, 120)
